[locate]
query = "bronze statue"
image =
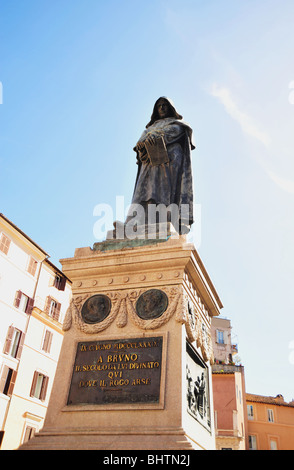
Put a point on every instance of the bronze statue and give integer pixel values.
(164, 161)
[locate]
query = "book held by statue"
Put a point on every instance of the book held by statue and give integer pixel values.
(157, 152)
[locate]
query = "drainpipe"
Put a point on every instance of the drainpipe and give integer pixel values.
(34, 294)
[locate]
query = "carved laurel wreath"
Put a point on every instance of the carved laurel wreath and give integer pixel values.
(123, 308)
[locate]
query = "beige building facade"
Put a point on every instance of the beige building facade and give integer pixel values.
(34, 296)
(223, 347)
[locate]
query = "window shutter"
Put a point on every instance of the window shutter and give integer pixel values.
(20, 346)
(62, 283)
(47, 341)
(47, 304)
(29, 433)
(32, 266)
(44, 388)
(12, 383)
(29, 306)
(4, 243)
(226, 337)
(3, 378)
(56, 313)
(34, 382)
(8, 340)
(17, 298)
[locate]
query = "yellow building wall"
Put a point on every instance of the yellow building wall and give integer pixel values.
(281, 430)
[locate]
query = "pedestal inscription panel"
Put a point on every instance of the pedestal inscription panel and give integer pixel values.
(117, 371)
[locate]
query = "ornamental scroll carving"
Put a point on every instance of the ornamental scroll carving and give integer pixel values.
(197, 330)
(123, 308)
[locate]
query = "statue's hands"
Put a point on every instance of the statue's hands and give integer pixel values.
(151, 140)
(144, 158)
(141, 149)
(142, 154)
(140, 146)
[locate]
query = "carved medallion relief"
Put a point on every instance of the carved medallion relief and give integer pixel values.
(151, 304)
(96, 309)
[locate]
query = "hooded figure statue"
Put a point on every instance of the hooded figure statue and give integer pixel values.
(164, 161)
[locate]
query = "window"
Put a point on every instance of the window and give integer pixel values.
(273, 444)
(32, 266)
(7, 380)
(23, 302)
(14, 342)
(52, 308)
(29, 433)
(1, 437)
(59, 282)
(270, 416)
(4, 243)
(250, 411)
(47, 341)
(39, 386)
(252, 443)
(220, 337)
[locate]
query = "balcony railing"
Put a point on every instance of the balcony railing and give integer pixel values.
(226, 368)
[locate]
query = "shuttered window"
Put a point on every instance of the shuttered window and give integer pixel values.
(29, 433)
(4, 243)
(47, 341)
(32, 266)
(270, 416)
(52, 308)
(14, 342)
(7, 380)
(59, 282)
(23, 302)
(252, 442)
(250, 412)
(39, 386)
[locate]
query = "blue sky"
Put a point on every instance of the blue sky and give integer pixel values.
(79, 81)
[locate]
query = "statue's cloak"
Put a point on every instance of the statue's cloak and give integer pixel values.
(168, 183)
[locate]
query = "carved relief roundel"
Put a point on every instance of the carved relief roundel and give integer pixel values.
(151, 304)
(96, 309)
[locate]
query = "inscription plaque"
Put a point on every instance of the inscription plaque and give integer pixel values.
(117, 371)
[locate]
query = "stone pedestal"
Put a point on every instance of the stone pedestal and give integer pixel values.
(137, 339)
